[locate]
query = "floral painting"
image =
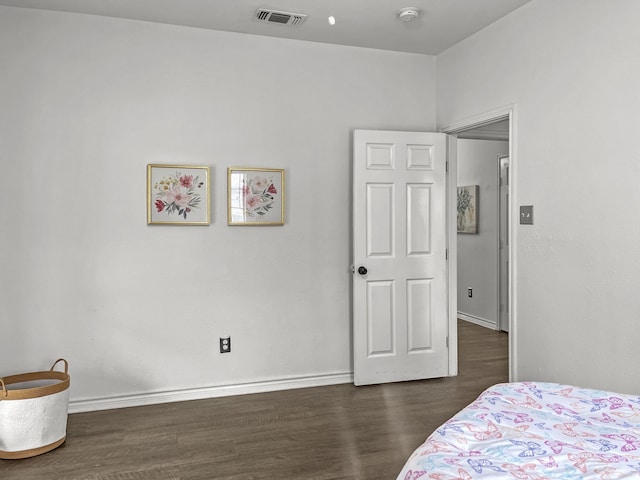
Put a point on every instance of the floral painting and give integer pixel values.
(255, 196)
(467, 206)
(177, 195)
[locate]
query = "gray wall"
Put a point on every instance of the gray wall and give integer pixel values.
(478, 253)
(570, 67)
(87, 103)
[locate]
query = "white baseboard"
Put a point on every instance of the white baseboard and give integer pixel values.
(483, 322)
(208, 392)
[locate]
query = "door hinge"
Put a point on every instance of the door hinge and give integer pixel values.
(446, 166)
(447, 342)
(446, 254)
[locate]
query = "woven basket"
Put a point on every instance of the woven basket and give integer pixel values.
(33, 412)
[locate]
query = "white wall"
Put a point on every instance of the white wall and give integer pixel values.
(478, 253)
(571, 67)
(87, 102)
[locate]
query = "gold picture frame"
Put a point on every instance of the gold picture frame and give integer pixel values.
(255, 196)
(178, 195)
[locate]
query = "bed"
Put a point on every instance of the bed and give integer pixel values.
(534, 431)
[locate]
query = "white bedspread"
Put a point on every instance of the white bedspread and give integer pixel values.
(535, 431)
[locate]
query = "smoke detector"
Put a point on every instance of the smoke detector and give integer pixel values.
(283, 18)
(408, 13)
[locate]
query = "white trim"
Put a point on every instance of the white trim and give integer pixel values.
(483, 322)
(510, 112)
(479, 120)
(501, 272)
(513, 242)
(452, 242)
(138, 400)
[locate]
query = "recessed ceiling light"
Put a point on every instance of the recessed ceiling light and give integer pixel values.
(331, 20)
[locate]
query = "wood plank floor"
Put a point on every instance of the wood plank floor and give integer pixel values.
(338, 432)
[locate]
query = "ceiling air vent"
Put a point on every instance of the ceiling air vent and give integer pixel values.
(283, 18)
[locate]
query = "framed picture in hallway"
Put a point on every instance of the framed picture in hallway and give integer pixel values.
(255, 196)
(467, 206)
(178, 195)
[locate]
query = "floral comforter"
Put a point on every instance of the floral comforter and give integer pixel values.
(534, 431)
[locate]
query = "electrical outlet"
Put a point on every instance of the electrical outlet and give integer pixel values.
(526, 215)
(469, 292)
(225, 344)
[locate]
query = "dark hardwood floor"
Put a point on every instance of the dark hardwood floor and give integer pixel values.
(335, 432)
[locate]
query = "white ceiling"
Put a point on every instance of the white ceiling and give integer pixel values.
(362, 23)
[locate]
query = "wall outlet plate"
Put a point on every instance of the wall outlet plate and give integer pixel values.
(225, 344)
(526, 215)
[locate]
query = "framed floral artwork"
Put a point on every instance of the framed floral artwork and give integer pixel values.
(178, 195)
(255, 196)
(467, 206)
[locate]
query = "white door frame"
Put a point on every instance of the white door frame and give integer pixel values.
(503, 243)
(453, 129)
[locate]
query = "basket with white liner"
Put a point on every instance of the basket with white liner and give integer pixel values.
(33, 412)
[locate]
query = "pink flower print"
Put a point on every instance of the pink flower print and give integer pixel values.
(179, 197)
(186, 181)
(253, 202)
(272, 189)
(259, 185)
(177, 194)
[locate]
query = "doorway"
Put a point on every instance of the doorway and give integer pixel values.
(494, 126)
(381, 157)
(482, 168)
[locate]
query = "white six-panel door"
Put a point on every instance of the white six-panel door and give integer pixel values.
(400, 302)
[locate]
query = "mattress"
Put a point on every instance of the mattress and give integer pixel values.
(534, 431)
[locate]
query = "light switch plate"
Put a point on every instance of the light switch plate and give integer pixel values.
(526, 215)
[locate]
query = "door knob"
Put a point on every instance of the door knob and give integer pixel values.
(362, 270)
